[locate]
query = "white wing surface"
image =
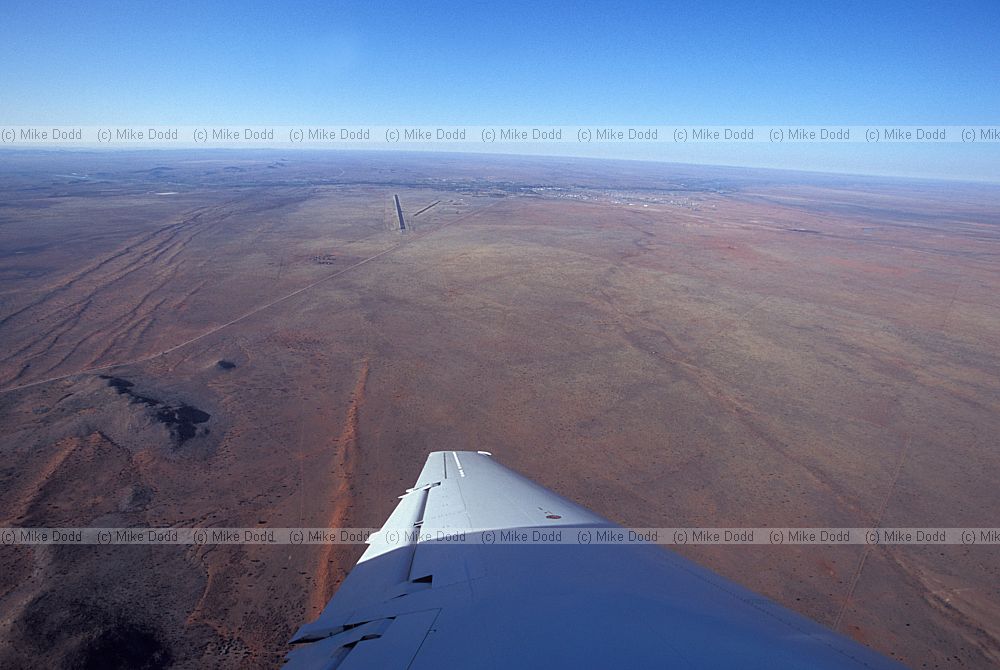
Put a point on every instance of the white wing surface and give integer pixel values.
(420, 597)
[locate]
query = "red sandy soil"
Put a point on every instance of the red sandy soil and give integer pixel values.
(668, 345)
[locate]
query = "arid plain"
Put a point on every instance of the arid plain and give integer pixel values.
(240, 339)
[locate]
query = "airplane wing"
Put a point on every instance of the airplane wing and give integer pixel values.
(420, 598)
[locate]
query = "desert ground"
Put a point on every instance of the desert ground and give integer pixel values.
(240, 339)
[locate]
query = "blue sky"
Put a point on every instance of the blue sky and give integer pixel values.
(512, 63)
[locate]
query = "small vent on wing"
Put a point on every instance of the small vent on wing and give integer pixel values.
(412, 586)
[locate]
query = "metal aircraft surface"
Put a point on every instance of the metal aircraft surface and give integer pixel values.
(420, 597)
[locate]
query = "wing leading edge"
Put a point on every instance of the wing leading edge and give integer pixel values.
(432, 604)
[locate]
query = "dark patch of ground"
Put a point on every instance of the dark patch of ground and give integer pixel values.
(124, 387)
(91, 635)
(123, 644)
(181, 419)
